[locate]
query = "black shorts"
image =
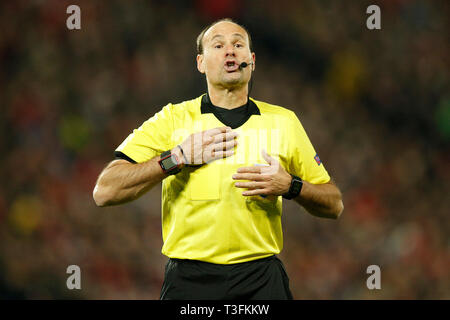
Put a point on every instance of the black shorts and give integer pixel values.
(260, 279)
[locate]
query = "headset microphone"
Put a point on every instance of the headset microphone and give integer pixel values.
(244, 64)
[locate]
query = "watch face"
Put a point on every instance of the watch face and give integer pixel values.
(168, 163)
(297, 185)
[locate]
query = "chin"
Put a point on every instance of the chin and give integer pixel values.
(234, 81)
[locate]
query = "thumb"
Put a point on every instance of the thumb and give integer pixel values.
(266, 157)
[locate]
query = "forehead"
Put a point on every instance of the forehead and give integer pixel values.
(225, 28)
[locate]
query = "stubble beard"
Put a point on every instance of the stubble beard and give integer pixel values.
(231, 82)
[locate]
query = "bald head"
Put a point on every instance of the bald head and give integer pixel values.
(205, 35)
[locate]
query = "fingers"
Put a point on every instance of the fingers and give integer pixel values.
(249, 176)
(255, 192)
(218, 130)
(221, 143)
(254, 169)
(224, 146)
(270, 168)
(227, 136)
(221, 154)
(220, 134)
(251, 185)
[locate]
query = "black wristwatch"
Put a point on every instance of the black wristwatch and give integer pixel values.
(295, 188)
(169, 162)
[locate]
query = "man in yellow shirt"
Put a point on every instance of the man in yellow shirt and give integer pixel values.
(225, 161)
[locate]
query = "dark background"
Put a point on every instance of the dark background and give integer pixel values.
(375, 104)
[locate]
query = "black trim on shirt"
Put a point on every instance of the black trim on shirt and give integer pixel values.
(121, 155)
(233, 118)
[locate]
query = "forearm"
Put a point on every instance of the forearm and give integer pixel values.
(122, 181)
(321, 200)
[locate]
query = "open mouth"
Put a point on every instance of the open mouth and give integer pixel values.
(231, 66)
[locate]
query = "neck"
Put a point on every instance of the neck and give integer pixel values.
(228, 98)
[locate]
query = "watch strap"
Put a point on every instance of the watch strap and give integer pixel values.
(165, 154)
(295, 188)
(175, 169)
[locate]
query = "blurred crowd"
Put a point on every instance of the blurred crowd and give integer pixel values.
(375, 104)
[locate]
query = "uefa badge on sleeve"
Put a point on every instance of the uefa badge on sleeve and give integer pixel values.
(316, 157)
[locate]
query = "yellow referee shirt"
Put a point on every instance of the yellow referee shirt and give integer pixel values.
(204, 216)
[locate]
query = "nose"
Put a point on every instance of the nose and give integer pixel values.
(230, 50)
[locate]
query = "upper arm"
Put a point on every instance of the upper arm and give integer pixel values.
(304, 160)
(117, 162)
(332, 183)
(111, 164)
(152, 138)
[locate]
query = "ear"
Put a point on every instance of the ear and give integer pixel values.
(254, 61)
(200, 66)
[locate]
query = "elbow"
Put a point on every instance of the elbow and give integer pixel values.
(333, 212)
(339, 209)
(100, 197)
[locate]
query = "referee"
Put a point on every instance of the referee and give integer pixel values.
(225, 161)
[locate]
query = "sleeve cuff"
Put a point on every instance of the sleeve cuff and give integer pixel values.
(121, 155)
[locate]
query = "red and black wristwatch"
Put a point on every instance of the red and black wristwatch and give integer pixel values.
(169, 162)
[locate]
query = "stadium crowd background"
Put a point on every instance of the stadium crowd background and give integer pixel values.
(375, 104)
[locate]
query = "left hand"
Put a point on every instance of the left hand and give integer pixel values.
(264, 180)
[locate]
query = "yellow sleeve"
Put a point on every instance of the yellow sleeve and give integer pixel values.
(152, 138)
(304, 161)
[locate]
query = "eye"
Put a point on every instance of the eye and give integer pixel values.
(238, 45)
(218, 46)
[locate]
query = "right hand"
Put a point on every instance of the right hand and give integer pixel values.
(206, 146)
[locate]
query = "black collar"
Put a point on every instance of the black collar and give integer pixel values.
(208, 107)
(238, 115)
